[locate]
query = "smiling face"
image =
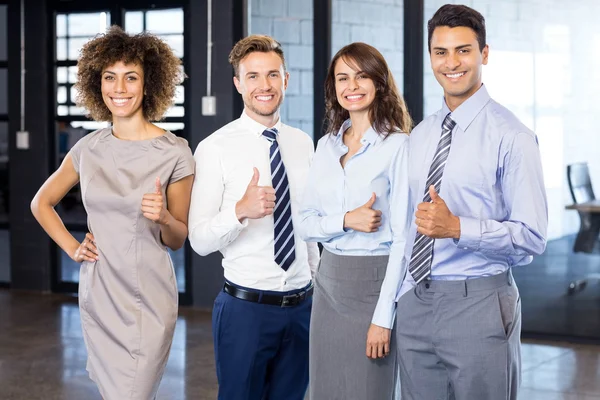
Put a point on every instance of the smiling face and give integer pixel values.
(457, 62)
(262, 83)
(123, 89)
(355, 90)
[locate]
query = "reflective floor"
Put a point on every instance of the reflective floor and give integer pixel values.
(42, 356)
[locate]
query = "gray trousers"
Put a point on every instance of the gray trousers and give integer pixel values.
(460, 340)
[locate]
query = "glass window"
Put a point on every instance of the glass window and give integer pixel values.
(4, 255)
(134, 21)
(165, 21)
(4, 188)
(61, 94)
(175, 42)
(3, 91)
(3, 33)
(87, 25)
(61, 49)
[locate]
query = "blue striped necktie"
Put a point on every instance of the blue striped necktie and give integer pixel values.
(284, 228)
(422, 253)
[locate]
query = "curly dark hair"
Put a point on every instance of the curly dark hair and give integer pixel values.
(388, 111)
(162, 72)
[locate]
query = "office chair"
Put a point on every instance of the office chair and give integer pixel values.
(580, 186)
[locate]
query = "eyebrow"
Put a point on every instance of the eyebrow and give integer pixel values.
(256, 73)
(343, 73)
(126, 73)
(462, 46)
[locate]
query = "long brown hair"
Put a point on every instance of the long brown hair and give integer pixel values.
(388, 111)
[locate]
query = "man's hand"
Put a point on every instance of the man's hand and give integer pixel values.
(435, 219)
(378, 342)
(363, 218)
(257, 202)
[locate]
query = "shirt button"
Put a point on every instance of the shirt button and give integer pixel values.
(427, 286)
(284, 283)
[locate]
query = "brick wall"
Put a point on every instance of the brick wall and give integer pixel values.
(291, 23)
(543, 66)
(376, 22)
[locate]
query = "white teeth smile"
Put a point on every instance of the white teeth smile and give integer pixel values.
(454, 76)
(120, 102)
(355, 97)
(264, 98)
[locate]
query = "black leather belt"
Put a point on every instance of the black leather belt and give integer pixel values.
(288, 300)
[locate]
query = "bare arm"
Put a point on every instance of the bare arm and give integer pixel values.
(47, 197)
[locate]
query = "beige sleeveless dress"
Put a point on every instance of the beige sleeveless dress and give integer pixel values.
(128, 298)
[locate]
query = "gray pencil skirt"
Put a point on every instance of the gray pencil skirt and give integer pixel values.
(346, 293)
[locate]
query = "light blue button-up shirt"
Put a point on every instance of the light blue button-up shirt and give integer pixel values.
(492, 181)
(380, 166)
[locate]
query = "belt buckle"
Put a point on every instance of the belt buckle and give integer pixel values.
(291, 300)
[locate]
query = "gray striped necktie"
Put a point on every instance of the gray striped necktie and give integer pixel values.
(285, 253)
(422, 253)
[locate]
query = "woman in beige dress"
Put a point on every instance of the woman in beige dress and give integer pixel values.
(136, 181)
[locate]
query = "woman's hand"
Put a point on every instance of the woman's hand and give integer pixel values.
(153, 206)
(378, 342)
(363, 218)
(87, 250)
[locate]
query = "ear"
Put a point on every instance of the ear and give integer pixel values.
(286, 80)
(484, 54)
(237, 84)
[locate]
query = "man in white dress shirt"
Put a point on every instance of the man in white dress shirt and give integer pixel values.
(250, 175)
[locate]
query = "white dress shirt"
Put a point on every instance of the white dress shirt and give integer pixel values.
(224, 167)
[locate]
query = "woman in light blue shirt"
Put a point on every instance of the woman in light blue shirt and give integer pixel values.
(356, 205)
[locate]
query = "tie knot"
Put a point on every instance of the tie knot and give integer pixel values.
(270, 134)
(448, 123)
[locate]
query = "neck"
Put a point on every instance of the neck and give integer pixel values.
(360, 124)
(267, 120)
(453, 102)
(134, 127)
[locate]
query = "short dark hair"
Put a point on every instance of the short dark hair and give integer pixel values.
(251, 44)
(388, 112)
(162, 71)
(455, 15)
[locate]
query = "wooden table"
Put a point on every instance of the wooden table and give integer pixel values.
(590, 225)
(590, 207)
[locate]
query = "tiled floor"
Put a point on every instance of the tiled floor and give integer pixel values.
(42, 356)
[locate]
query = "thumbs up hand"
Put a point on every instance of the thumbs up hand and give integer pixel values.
(257, 202)
(434, 219)
(364, 218)
(153, 205)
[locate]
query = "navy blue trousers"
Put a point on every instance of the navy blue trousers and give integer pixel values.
(261, 351)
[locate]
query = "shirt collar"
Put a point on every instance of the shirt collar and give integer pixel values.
(256, 127)
(370, 136)
(468, 110)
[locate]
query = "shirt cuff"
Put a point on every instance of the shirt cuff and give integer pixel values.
(384, 314)
(333, 225)
(470, 234)
(231, 220)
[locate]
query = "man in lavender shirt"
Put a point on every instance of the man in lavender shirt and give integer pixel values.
(480, 208)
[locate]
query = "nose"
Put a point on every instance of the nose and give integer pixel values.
(120, 86)
(352, 84)
(452, 61)
(265, 83)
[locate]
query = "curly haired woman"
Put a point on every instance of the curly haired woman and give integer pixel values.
(136, 182)
(356, 205)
